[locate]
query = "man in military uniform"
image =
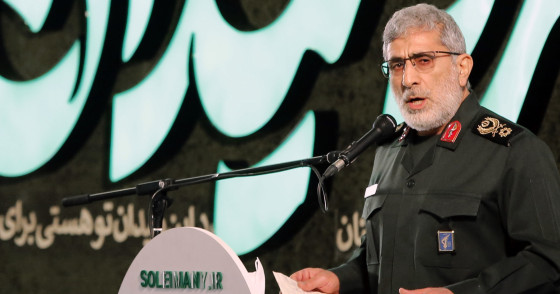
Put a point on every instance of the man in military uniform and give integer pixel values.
(462, 200)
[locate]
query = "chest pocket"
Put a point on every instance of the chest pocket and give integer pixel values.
(372, 208)
(446, 211)
(373, 204)
(451, 205)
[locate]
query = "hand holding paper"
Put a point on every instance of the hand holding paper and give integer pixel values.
(289, 286)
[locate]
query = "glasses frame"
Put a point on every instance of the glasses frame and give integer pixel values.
(385, 69)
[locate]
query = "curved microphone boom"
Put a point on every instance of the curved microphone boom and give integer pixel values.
(384, 126)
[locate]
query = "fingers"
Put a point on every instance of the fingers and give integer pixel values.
(306, 274)
(302, 275)
(317, 279)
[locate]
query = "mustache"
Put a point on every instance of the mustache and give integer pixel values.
(413, 92)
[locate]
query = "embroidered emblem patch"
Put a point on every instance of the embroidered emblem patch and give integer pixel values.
(496, 129)
(493, 126)
(451, 132)
(446, 241)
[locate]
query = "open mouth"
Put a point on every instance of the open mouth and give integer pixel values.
(415, 102)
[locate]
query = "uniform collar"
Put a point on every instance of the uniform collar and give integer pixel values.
(460, 124)
(456, 129)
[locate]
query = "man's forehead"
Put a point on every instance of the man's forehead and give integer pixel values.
(414, 41)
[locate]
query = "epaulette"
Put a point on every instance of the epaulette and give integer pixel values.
(495, 128)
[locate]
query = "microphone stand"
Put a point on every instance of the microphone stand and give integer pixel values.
(158, 189)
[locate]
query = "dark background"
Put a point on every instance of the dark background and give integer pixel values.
(348, 95)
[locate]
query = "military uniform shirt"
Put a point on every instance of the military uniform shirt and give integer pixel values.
(478, 211)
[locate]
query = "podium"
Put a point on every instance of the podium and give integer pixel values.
(190, 260)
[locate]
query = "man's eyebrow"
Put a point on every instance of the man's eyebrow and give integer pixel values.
(396, 58)
(420, 53)
(414, 54)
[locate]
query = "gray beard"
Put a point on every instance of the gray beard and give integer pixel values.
(440, 110)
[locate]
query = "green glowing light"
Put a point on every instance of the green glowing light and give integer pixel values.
(507, 91)
(144, 114)
(139, 12)
(248, 211)
(37, 116)
(243, 77)
(33, 12)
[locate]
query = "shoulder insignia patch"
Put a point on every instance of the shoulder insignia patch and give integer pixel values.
(496, 129)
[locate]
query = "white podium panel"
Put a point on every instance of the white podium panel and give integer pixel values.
(190, 260)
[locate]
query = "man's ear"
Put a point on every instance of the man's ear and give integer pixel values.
(465, 63)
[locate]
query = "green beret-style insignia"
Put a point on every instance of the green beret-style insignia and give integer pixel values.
(495, 129)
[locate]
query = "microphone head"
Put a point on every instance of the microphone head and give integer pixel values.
(385, 123)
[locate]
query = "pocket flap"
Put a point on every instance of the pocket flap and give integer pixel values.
(448, 205)
(372, 204)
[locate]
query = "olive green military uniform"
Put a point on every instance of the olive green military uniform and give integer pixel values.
(476, 210)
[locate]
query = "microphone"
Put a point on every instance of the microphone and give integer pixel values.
(383, 126)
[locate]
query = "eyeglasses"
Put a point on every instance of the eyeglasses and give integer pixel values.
(423, 62)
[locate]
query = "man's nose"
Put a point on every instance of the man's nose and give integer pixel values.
(410, 74)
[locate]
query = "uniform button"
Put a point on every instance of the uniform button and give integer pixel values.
(410, 183)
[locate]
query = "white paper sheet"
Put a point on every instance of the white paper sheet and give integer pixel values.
(289, 286)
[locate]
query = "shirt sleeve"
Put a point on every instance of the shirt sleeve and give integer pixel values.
(529, 201)
(352, 275)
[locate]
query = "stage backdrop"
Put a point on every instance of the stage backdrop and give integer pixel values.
(103, 95)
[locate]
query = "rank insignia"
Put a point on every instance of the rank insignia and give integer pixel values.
(451, 132)
(493, 126)
(446, 241)
(496, 129)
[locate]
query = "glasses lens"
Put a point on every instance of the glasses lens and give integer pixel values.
(393, 67)
(385, 69)
(424, 61)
